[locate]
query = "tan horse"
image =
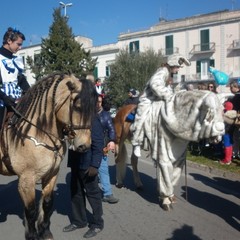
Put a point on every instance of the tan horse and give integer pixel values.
(56, 110)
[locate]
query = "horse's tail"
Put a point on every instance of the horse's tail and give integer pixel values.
(121, 155)
(120, 119)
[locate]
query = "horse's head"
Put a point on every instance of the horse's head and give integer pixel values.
(75, 107)
(211, 118)
(57, 108)
(195, 115)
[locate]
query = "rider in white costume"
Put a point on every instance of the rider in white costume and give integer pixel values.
(158, 88)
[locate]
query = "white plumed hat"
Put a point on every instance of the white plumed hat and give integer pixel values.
(177, 60)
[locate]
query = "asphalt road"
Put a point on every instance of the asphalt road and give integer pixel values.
(212, 211)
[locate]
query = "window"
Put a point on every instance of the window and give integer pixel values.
(134, 47)
(108, 71)
(205, 45)
(169, 44)
(95, 72)
(203, 67)
(23, 59)
(37, 59)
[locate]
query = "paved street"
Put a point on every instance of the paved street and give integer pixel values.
(212, 211)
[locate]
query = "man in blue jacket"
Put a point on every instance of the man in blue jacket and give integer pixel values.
(84, 184)
(109, 144)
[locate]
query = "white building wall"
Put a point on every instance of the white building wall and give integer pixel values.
(224, 28)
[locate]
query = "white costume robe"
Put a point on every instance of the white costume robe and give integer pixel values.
(157, 89)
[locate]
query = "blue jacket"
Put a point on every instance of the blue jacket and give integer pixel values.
(93, 156)
(108, 127)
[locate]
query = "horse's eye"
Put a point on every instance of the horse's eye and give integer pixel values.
(77, 104)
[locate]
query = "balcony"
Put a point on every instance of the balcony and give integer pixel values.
(169, 51)
(235, 45)
(203, 48)
(198, 77)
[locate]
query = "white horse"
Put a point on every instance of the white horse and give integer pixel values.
(169, 127)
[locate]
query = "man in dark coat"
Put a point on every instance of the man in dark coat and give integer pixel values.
(84, 184)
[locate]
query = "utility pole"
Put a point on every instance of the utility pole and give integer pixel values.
(65, 5)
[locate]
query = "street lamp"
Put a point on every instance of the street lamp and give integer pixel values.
(65, 5)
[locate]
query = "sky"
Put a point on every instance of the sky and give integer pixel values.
(101, 20)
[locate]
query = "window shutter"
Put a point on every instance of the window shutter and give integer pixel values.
(198, 65)
(212, 63)
(169, 44)
(95, 72)
(205, 40)
(131, 47)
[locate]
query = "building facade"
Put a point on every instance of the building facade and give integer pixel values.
(211, 39)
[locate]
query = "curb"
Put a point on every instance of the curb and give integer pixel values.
(214, 171)
(205, 168)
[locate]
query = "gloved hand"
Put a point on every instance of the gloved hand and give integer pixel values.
(9, 101)
(92, 171)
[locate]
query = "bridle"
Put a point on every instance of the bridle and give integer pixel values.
(68, 130)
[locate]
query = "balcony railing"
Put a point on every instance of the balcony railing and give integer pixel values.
(203, 48)
(169, 51)
(235, 45)
(198, 77)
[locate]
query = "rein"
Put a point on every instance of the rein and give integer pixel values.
(26, 120)
(68, 130)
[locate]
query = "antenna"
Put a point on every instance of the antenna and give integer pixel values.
(233, 2)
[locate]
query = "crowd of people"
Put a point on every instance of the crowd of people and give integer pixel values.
(90, 177)
(228, 148)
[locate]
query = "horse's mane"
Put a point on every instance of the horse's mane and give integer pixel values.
(88, 93)
(35, 103)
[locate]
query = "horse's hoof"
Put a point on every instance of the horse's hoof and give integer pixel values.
(119, 185)
(173, 199)
(167, 207)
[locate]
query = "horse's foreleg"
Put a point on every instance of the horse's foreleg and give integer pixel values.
(26, 188)
(121, 165)
(45, 210)
(136, 177)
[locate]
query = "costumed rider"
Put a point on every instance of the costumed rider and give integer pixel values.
(133, 98)
(12, 81)
(158, 88)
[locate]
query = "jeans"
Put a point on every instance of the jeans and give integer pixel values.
(103, 173)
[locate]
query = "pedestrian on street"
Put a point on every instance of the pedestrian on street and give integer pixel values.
(109, 145)
(84, 182)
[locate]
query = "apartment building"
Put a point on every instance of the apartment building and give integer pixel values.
(211, 39)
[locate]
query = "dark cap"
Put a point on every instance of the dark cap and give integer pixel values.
(132, 91)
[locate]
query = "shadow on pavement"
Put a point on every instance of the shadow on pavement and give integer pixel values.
(221, 207)
(186, 232)
(223, 185)
(10, 201)
(149, 191)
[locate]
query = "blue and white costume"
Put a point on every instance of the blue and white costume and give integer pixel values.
(10, 68)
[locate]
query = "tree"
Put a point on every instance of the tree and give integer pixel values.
(61, 52)
(130, 71)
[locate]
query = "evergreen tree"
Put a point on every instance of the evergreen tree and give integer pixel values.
(60, 52)
(130, 71)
